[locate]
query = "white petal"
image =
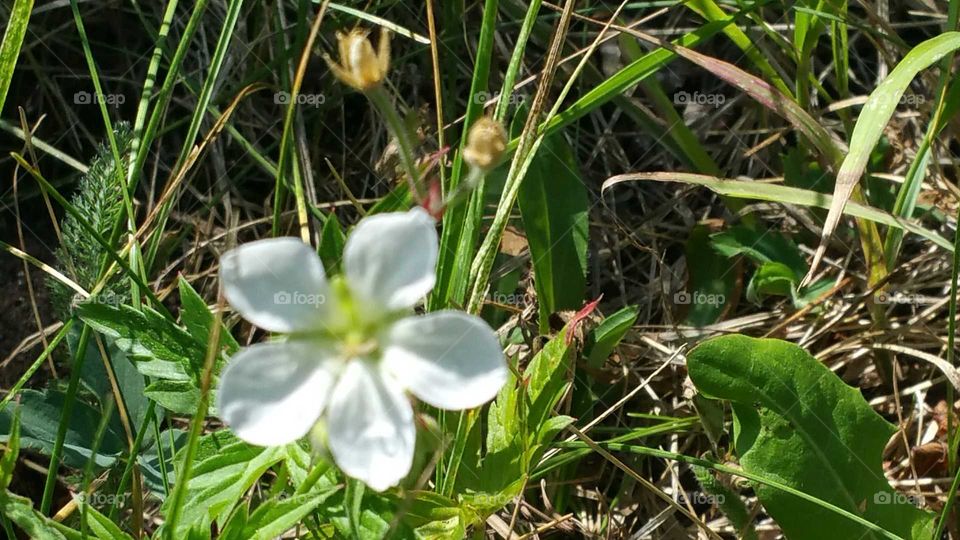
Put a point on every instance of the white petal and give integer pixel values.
(449, 359)
(370, 426)
(390, 259)
(277, 284)
(273, 393)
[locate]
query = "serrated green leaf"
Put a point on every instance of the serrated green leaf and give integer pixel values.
(181, 397)
(159, 347)
(20, 510)
(796, 421)
(275, 516)
(547, 378)
(197, 318)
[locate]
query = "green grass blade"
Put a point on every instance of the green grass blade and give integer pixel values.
(460, 223)
(709, 10)
(781, 194)
(203, 101)
(12, 40)
(870, 124)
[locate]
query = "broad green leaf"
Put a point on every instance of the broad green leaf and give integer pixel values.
(547, 379)
(39, 418)
(299, 462)
(873, 119)
(554, 205)
(608, 334)
(159, 347)
(797, 422)
(520, 422)
(431, 516)
(375, 517)
(12, 40)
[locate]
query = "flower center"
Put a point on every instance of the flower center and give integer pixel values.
(356, 345)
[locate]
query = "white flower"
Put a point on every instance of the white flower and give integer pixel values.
(354, 346)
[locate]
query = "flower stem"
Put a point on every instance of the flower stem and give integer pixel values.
(380, 99)
(463, 189)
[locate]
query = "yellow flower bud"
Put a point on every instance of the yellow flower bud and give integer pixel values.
(486, 143)
(361, 67)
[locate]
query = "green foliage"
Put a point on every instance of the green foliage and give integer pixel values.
(780, 264)
(553, 203)
(728, 501)
(99, 199)
(796, 421)
(16, 28)
(331, 244)
(224, 469)
(520, 423)
(19, 509)
(160, 349)
(40, 413)
(710, 277)
(603, 339)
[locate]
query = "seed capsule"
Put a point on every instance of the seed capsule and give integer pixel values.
(486, 143)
